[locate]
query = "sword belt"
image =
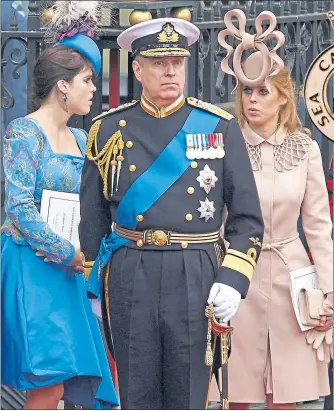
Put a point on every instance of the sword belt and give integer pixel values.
(165, 237)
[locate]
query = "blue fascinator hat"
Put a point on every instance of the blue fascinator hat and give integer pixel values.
(72, 24)
(85, 46)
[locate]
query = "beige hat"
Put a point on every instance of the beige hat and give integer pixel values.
(260, 66)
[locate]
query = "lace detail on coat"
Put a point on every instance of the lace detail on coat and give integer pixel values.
(292, 151)
(287, 155)
(254, 153)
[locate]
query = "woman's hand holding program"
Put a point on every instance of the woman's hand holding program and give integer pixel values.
(76, 261)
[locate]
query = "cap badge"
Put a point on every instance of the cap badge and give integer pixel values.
(168, 34)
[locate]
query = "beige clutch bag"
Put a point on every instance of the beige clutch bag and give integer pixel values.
(310, 301)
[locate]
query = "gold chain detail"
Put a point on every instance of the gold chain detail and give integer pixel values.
(208, 351)
(225, 347)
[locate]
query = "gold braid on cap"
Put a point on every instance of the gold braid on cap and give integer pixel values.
(252, 41)
(110, 155)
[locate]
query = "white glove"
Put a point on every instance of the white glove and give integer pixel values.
(322, 342)
(96, 307)
(225, 299)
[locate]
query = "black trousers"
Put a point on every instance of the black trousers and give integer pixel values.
(157, 301)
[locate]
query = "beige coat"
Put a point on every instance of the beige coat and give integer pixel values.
(290, 180)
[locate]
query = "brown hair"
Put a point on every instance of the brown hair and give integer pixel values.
(288, 115)
(54, 64)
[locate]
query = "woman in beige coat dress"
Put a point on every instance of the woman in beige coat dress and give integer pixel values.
(270, 355)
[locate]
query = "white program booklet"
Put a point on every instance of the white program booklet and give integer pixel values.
(302, 278)
(62, 212)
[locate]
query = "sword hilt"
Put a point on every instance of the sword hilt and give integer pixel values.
(223, 331)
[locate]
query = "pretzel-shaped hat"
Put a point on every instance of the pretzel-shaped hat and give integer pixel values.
(271, 63)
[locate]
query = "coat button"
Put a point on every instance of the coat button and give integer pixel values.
(190, 190)
(129, 144)
(140, 218)
(122, 123)
(132, 168)
(184, 244)
(140, 243)
(194, 164)
(189, 217)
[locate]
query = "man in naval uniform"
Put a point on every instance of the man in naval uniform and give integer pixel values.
(157, 176)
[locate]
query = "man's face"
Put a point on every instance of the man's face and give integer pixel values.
(162, 78)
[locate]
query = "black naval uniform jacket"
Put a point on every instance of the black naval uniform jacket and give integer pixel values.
(145, 135)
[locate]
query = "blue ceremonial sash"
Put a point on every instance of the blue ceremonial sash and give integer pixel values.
(149, 187)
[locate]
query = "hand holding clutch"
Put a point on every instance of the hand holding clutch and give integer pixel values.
(326, 314)
(315, 310)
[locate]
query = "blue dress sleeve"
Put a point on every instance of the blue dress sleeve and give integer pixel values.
(23, 145)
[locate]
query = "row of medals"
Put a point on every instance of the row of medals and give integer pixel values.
(205, 146)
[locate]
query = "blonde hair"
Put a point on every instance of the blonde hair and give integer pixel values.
(288, 116)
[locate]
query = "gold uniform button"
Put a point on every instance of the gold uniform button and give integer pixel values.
(122, 123)
(194, 164)
(129, 144)
(189, 217)
(132, 168)
(140, 218)
(140, 243)
(184, 244)
(190, 190)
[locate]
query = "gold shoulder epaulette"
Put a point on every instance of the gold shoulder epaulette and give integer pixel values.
(209, 107)
(116, 110)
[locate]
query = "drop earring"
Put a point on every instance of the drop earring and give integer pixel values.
(65, 101)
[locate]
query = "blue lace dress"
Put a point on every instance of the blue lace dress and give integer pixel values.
(49, 333)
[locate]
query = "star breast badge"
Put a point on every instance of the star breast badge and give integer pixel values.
(206, 209)
(207, 179)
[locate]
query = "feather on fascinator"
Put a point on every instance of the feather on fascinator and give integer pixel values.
(73, 24)
(73, 17)
(260, 66)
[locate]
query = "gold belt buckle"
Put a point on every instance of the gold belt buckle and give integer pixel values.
(160, 238)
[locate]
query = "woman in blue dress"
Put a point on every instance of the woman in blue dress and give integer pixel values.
(51, 344)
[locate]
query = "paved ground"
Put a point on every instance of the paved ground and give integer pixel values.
(313, 405)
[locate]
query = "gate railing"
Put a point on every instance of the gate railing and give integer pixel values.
(304, 23)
